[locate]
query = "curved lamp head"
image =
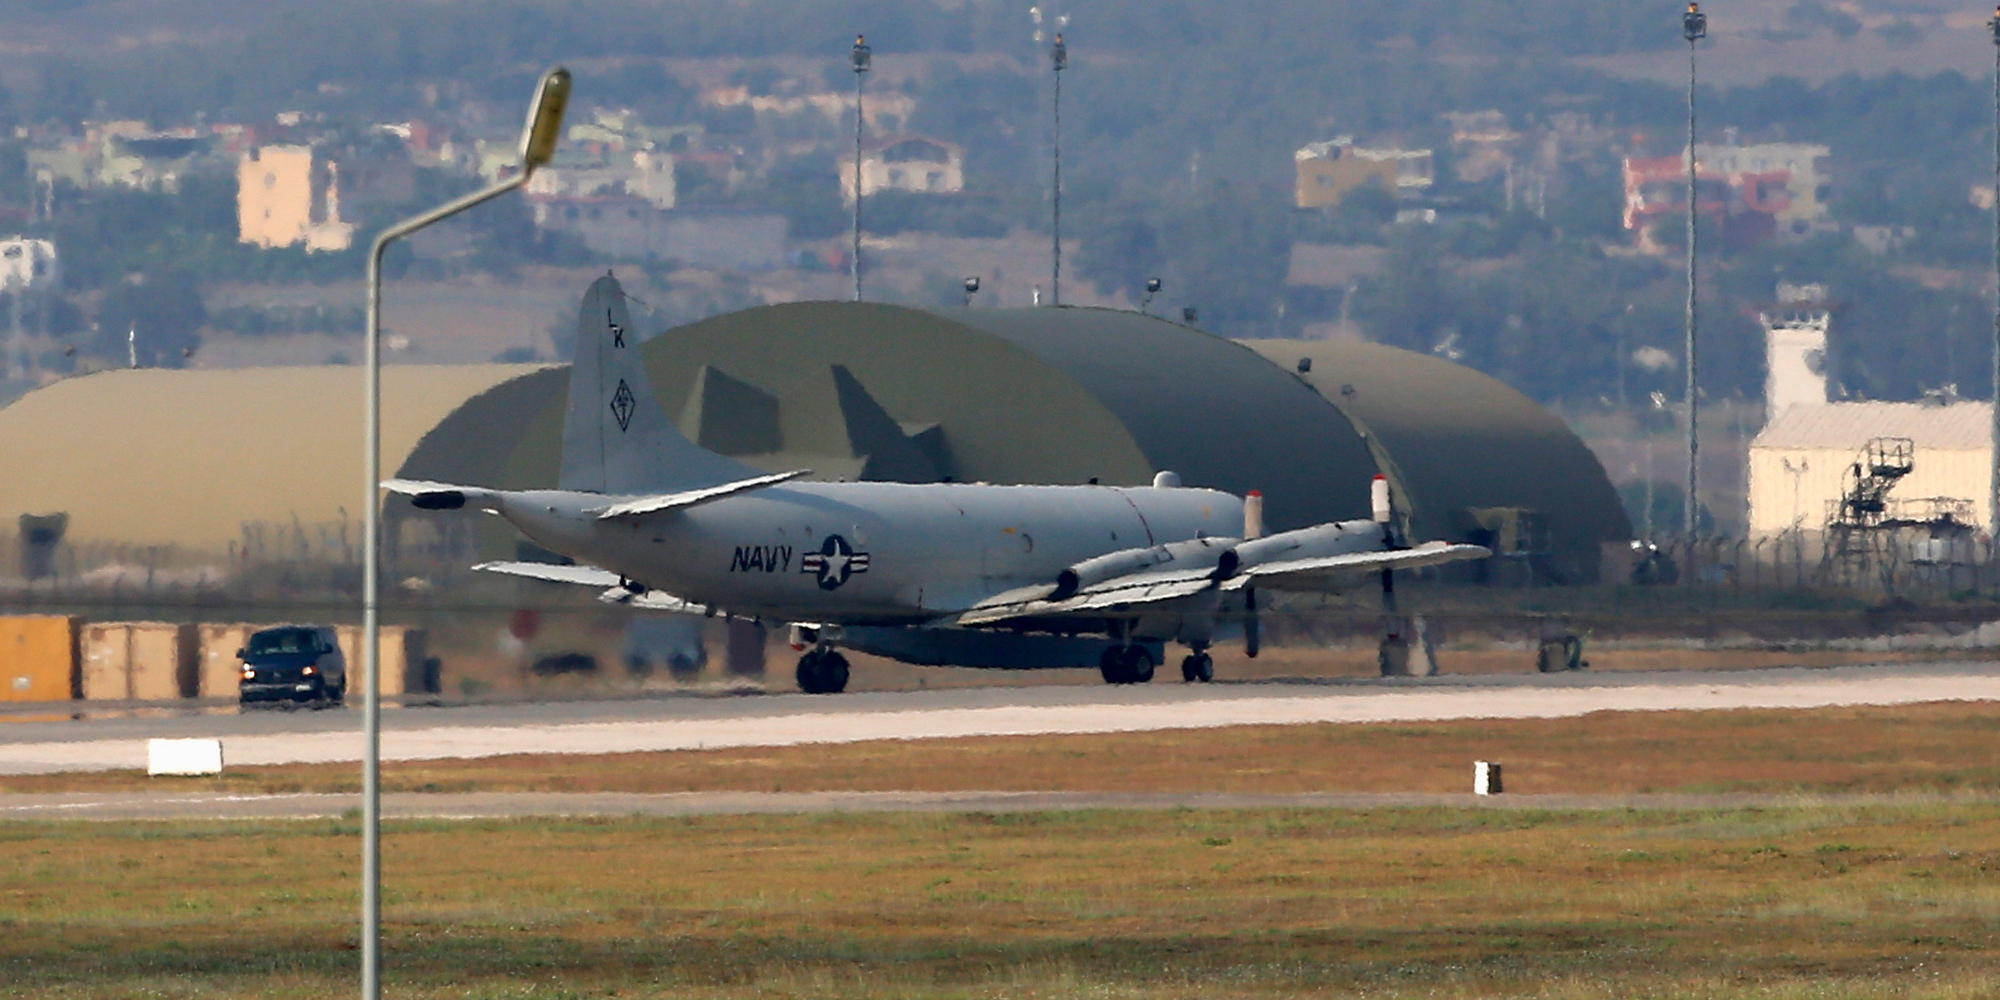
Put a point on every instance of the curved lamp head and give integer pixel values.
(544, 128)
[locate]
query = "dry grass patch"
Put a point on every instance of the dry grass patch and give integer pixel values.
(1874, 902)
(1931, 748)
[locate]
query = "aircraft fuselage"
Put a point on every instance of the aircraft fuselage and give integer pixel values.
(870, 553)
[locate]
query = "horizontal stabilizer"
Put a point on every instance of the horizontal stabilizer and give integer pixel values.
(443, 496)
(1334, 572)
(694, 498)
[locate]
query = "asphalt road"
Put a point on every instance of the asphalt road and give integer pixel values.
(696, 722)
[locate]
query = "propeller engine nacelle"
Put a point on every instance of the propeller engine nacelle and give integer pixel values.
(1213, 554)
(1311, 543)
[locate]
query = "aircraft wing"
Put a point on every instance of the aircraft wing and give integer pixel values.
(691, 498)
(588, 576)
(1334, 572)
(655, 600)
(1120, 592)
(615, 591)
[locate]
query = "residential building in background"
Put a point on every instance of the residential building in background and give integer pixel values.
(646, 174)
(885, 110)
(290, 196)
(27, 264)
(1329, 170)
(614, 155)
(123, 154)
(627, 227)
(1751, 193)
(912, 163)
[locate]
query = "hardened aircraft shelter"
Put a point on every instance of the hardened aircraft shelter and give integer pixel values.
(200, 459)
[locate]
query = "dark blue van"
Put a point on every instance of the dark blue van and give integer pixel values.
(294, 665)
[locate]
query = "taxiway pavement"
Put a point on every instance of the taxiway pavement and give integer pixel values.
(698, 722)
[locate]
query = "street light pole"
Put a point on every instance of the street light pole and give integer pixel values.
(538, 145)
(1059, 59)
(862, 58)
(1694, 27)
(1993, 458)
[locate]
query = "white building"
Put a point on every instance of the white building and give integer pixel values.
(1795, 349)
(646, 174)
(907, 163)
(27, 264)
(1801, 463)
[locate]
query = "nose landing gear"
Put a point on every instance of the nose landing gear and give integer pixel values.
(822, 671)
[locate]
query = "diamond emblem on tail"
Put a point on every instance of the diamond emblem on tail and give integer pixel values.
(622, 406)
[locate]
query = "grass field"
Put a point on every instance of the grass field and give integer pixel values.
(1783, 902)
(1945, 747)
(1798, 899)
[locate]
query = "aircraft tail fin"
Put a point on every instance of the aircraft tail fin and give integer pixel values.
(616, 439)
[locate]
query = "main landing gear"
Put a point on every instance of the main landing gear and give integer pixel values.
(1198, 667)
(822, 671)
(1129, 663)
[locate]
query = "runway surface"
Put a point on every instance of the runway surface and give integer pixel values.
(513, 805)
(697, 722)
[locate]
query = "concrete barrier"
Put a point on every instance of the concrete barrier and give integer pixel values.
(39, 658)
(403, 653)
(220, 672)
(184, 757)
(138, 661)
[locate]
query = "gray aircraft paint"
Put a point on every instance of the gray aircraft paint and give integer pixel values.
(931, 549)
(642, 501)
(615, 438)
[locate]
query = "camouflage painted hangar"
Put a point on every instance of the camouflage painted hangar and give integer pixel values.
(852, 391)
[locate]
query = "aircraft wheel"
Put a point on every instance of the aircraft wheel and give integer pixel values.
(833, 673)
(1112, 665)
(822, 672)
(1138, 664)
(1198, 667)
(809, 673)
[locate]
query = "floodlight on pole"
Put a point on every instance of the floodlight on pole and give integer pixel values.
(1058, 61)
(863, 58)
(1146, 304)
(971, 289)
(538, 143)
(1993, 457)
(544, 126)
(1694, 28)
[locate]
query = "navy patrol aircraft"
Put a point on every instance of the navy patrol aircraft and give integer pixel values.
(940, 573)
